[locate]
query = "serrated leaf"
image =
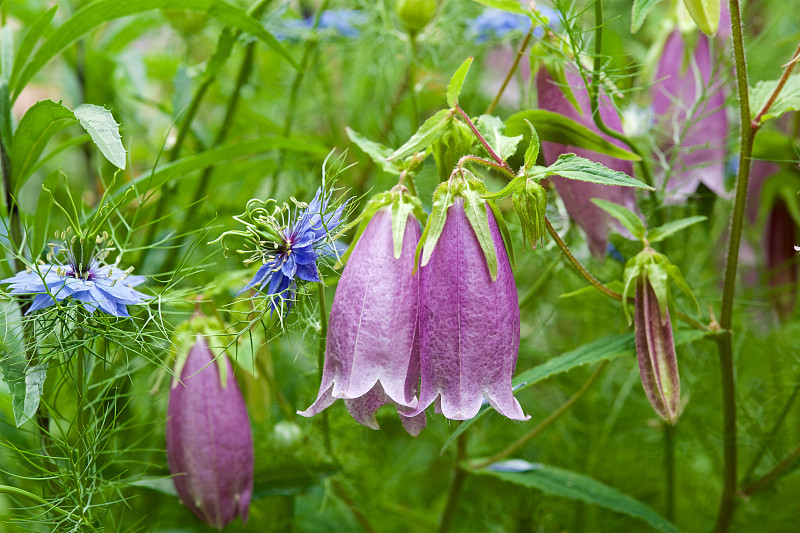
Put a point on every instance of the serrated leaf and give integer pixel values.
(532, 153)
(556, 128)
(43, 120)
(567, 484)
(626, 217)
(788, 99)
(25, 382)
(662, 232)
(432, 129)
(94, 14)
(99, 123)
(705, 14)
(573, 167)
(457, 81)
(376, 151)
(442, 200)
(475, 209)
(639, 12)
(492, 129)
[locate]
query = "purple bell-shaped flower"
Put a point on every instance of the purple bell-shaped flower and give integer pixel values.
(372, 350)
(209, 440)
(469, 324)
(577, 195)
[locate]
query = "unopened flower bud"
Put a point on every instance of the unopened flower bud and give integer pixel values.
(414, 15)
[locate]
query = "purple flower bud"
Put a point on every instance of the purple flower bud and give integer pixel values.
(372, 350)
(780, 235)
(694, 114)
(577, 195)
(469, 324)
(655, 350)
(209, 441)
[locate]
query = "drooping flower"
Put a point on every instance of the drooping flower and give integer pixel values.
(577, 195)
(91, 281)
(469, 325)
(689, 100)
(209, 440)
(780, 234)
(372, 349)
(289, 250)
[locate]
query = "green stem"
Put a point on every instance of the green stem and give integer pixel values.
(774, 96)
(669, 470)
(555, 415)
(594, 95)
(21, 493)
(80, 379)
(323, 335)
(484, 142)
(456, 483)
(514, 65)
(773, 474)
(727, 371)
(412, 80)
(488, 164)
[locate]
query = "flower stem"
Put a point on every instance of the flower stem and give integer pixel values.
(484, 142)
(669, 469)
(522, 441)
(488, 164)
(323, 335)
(412, 80)
(511, 71)
(727, 370)
(456, 483)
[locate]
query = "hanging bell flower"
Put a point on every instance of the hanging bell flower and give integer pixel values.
(209, 440)
(372, 346)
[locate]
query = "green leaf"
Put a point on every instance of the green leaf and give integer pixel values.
(573, 167)
(6, 52)
(475, 209)
(376, 151)
(96, 13)
(662, 232)
(599, 350)
(788, 99)
(532, 153)
(432, 129)
(640, 10)
(705, 14)
(559, 129)
(492, 129)
(104, 130)
(456, 82)
(675, 275)
(24, 382)
(43, 120)
(626, 217)
(567, 484)
(29, 41)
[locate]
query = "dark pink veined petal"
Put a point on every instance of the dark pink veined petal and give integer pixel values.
(576, 195)
(372, 350)
(209, 440)
(655, 351)
(780, 237)
(469, 324)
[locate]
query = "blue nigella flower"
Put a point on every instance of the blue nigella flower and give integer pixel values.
(96, 286)
(498, 23)
(341, 22)
(294, 254)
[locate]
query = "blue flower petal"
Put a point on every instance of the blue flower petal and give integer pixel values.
(308, 272)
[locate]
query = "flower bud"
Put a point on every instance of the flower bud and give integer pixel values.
(372, 350)
(209, 440)
(530, 203)
(414, 15)
(469, 325)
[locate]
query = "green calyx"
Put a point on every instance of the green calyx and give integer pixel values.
(530, 203)
(463, 184)
(185, 337)
(402, 204)
(654, 268)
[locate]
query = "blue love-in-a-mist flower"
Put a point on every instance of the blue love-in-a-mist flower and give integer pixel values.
(498, 23)
(96, 285)
(341, 22)
(294, 254)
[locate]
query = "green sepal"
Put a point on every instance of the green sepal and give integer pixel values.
(443, 198)
(457, 82)
(532, 153)
(655, 268)
(530, 203)
(658, 277)
(501, 224)
(625, 216)
(509, 189)
(404, 205)
(475, 209)
(632, 272)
